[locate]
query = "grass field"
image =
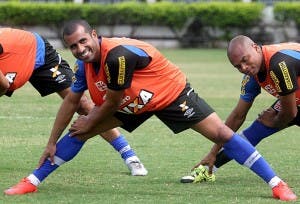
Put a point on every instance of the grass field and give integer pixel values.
(98, 175)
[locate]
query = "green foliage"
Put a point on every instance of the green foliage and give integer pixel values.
(134, 13)
(174, 15)
(285, 12)
(227, 14)
(38, 13)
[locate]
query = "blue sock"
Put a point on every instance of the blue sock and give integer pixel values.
(258, 131)
(254, 134)
(244, 153)
(121, 145)
(66, 149)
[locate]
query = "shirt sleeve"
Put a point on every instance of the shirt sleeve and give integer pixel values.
(121, 62)
(79, 84)
(284, 71)
(249, 89)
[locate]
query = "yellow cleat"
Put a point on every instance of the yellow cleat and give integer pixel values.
(199, 174)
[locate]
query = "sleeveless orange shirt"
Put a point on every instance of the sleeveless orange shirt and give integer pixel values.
(153, 87)
(18, 57)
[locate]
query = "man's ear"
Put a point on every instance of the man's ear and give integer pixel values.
(256, 47)
(94, 33)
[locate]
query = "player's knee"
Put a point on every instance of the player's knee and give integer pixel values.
(223, 133)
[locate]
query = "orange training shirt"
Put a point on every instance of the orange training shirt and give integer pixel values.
(152, 88)
(18, 57)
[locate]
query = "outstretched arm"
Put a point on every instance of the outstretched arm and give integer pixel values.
(234, 121)
(85, 124)
(281, 119)
(64, 115)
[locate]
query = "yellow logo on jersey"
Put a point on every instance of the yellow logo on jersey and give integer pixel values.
(286, 75)
(107, 73)
(245, 80)
(122, 69)
(76, 67)
(276, 81)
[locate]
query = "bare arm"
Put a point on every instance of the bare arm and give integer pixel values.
(98, 114)
(4, 84)
(64, 115)
(238, 115)
(287, 113)
(234, 121)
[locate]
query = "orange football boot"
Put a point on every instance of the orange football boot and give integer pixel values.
(283, 192)
(23, 187)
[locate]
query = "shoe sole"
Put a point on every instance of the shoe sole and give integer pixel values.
(11, 194)
(187, 179)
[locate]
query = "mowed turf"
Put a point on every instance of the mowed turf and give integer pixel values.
(98, 174)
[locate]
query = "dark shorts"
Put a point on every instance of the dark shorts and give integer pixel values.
(54, 76)
(296, 121)
(187, 110)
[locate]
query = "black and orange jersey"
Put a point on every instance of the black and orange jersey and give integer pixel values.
(282, 76)
(17, 59)
(151, 82)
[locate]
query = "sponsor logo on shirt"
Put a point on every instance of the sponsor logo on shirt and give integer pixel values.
(107, 74)
(271, 90)
(10, 76)
(75, 70)
(276, 81)
(137, 103)
(245, 80)
(286, 75)
(277, 106)
(122, 69)
(101, 86)
(76, 67)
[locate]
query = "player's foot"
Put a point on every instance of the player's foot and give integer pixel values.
(199, 174)
(137, 168)
(283, 192)
(23, 187)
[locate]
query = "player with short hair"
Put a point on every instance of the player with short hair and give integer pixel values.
(274, 68)
(129, 81)
(26, 56)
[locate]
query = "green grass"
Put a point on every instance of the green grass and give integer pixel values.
(98, 175)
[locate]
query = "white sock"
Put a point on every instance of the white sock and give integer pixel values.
(274, 181)
(34, 180)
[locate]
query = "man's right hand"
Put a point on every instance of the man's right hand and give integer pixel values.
(208, 160)
(49, 152)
